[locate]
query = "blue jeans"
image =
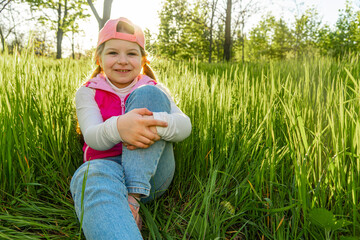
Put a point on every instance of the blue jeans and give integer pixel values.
(102, 207)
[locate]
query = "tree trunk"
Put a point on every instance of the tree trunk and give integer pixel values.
(243, 49)
(59, 33)
(106, 12)
(218, 48)
(73, 45)
(211, 41)
(59, 38)
(60, 30)
(227, 44)
(213, 8)
(2, 40)
(242, 42)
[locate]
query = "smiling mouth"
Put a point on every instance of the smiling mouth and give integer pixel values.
(123, 70)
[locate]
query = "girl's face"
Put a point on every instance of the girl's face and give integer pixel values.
(121, 61)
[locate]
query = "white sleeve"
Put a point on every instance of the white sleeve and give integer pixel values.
(98, 134)
(179, 125)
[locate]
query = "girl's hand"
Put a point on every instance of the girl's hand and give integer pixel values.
(152, 128)
(137, 128)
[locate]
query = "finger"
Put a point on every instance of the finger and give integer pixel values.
(131, 147)
(157, 137)
(140, 145)
(147, 141)
(149, 135)
(154, 122)
(142, 141)
(143, 111)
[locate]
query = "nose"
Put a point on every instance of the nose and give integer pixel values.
(122, 59)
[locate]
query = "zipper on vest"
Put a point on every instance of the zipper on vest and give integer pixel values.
(122, 107)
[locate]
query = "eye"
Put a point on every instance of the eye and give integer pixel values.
(133, 53)
(112, 53)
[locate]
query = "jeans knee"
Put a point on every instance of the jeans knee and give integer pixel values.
(95, 171)
(150, 97)
(147, 90)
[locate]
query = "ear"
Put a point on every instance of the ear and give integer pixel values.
(99, 62)
(144, 61)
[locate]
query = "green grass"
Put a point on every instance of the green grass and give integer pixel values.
(272, 143)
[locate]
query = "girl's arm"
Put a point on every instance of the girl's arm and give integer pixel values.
(103, 135)
(179, 125)
(98, 134)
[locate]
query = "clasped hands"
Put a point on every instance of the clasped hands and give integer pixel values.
(137, 128)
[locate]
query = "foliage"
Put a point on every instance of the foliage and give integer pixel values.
(306, 32)
(64, 19)
(260, 38)
(40, 45)
(327, 221)
(12, 20)
(347, 35)
(271, 142)
(172, 23)
(184, 31)
(67, 11)
(184, 35)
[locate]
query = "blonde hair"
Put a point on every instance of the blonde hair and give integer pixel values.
(146, 69)
(98, 52)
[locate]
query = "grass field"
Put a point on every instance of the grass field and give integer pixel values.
(274, 151)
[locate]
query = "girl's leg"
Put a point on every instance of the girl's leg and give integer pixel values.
(164, 174)
(140, 165)
(103, 207)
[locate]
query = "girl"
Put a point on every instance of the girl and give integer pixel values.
(128, 121)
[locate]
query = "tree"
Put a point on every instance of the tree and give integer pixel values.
(2, 39)
(173, 19)
(211, 28)
(66, 14)
(73, 30)
(345, 38)
(9, 22)
(219, 41)
(3, 4)
(306, 32)
(237, 13)
(183, 30)
(227, 43)
(40, 45)
(323, 43)
(260, 38)
(194, 38)
(106, 12)
(271, 38)
(282, 40)
(245, 10)
(149, 41)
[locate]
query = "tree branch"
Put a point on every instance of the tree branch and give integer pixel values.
(65, 14)
(5, 3)
(93, 9)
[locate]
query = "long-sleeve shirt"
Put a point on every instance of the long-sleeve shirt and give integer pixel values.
(102, 135)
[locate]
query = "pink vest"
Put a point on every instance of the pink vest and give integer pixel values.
(110, 104)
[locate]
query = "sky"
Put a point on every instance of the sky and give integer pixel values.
(145, 13)
(141, 12)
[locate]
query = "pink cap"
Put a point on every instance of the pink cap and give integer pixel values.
(109, 32)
